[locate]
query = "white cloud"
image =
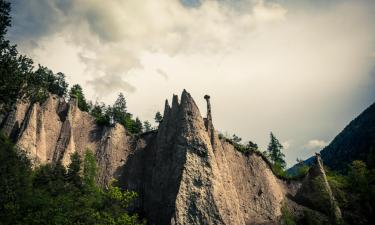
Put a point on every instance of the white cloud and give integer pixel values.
(268, 11)
(118, 33)
(315, 144)
(287, 144)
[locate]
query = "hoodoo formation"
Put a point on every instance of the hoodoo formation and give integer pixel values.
(183, 172)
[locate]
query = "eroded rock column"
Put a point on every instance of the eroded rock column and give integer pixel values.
(208, 122)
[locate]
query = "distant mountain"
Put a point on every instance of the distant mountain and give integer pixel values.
(355, 142)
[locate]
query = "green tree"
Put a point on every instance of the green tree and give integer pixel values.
(98, 111)
(358, 175)
(4, 17)
(77, 92)
(15, 69)
(89, 169)
(129, 123)
(15, 182)
(74, 168)
(119, 109)
(274, 150)
(138, 128)
(147, 126)
(251, 146)
(158, 117)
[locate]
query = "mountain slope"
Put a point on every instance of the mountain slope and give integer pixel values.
(355, 142)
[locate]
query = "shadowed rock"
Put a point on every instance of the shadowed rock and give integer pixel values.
(316, 193)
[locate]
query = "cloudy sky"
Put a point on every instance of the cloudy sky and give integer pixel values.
(302, 69)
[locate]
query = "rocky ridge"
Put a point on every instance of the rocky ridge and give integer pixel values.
(183, 172)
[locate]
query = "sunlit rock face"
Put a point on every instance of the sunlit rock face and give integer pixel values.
(51, 131)
(183, 172)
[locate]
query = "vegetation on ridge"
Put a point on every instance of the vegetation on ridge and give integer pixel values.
(273, 156)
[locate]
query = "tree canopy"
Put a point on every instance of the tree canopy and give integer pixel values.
(158, 117)
(53, 195)
(77, 93)
(274, 150)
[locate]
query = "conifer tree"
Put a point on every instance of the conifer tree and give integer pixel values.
(77, 92)
(274, 151)
(158, 117)
(147, 126)
(73, 175)
(138, 128)
(120, 109)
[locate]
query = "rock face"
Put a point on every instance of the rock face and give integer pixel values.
(51, 131)
(183, 172)
(316, 192)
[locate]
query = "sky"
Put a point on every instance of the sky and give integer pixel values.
(301, 69)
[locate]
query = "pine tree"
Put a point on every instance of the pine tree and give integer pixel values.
(147, 126)
(77, 92)
(158, 117)
(120, 109)
(138, 128)
(274, 151)
(74, 168)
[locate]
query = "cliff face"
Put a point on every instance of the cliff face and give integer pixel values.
(183, 172)
(51, 131)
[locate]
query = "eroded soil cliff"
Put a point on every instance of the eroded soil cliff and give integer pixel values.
(183, 172)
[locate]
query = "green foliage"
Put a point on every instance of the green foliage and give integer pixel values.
(274, 149)
(301, 169)
(286, 217)
(77, 92)
(251, 146)
(236, 139)
(358, 176)
(119, 109)
(18, 80)
(15, 181)
(158, 117)
(138, 127)
(321, 197)
(117, 113)
(74, 168)
(147, 126)
(53, 195)
(89, 169)
(99, 112)
(354, 192)
(312, 218)
(278, 170)
(277, 167)
(4, 17)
